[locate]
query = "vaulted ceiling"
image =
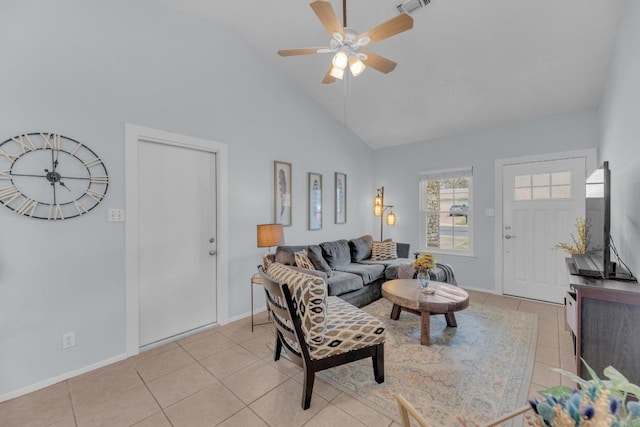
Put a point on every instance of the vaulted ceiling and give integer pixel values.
(465, 65)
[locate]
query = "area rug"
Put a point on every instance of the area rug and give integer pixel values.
(468, 376)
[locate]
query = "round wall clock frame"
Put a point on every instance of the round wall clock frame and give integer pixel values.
(50, 176)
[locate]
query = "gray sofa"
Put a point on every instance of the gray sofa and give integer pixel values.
(347, 267)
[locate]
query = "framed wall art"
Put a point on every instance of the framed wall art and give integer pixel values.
(282, 185)
(314, 201)
(341, 198)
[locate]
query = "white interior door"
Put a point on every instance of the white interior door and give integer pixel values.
(541, 202)
(177, 240)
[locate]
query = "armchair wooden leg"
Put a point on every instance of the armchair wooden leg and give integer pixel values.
(278, 349)
(378, 363)
(309, 378)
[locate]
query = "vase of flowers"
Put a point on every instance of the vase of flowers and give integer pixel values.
(601, 403)
(580, 240)
(423, 265)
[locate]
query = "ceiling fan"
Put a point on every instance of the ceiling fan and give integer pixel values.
(346, 42)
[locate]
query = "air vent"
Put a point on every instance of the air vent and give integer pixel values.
(411, 5)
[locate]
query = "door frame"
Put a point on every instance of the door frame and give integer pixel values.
(590, 156)
(133, 134)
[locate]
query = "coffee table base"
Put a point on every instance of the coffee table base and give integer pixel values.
(425, 320)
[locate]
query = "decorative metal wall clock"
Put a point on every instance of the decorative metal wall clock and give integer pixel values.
(50, 176)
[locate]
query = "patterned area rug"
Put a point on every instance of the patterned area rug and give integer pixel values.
(468, 376)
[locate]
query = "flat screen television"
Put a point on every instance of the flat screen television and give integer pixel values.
(597, 261)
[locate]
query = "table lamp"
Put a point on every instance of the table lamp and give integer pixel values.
(270, 235)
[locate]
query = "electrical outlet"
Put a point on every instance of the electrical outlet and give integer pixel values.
(68, 340)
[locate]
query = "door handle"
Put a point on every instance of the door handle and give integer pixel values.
(509, 236)
(212, 252)
(211, 240)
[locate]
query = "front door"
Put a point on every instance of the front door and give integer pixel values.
(541, 202)
(177, 240)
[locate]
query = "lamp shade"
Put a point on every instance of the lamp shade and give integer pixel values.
(340, 59)
(356, 66)
(378, 205)
(336, 72)
(391, 218)
(270, 235)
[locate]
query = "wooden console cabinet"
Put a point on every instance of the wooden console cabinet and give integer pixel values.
(606, 324)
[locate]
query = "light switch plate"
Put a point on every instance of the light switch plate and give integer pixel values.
(115, 215)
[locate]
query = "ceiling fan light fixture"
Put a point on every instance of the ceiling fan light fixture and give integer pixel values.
(340, 59)
(336, 72)
(356, 66)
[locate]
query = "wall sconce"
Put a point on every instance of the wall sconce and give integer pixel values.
(379, 207)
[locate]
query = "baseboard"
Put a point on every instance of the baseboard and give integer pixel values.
(55, 380)
(247, 314)
(66, 376)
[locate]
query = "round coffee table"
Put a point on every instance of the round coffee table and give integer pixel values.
(405, 295)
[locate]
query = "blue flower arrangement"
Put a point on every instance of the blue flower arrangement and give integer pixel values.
(598, 403)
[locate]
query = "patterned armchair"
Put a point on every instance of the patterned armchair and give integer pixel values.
(318, 332)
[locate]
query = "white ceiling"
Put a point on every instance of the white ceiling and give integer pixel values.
(465, 65)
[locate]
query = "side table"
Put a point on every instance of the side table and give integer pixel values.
(255, 280)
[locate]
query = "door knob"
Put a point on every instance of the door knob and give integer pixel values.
(508, 236)
(211, 240)
(212, 252)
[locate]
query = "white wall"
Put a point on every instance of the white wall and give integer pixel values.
(620, 145)
(397, 168)
(84, 68)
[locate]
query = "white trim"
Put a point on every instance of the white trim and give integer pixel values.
(422, 247)
(590, 155)
(46, 383)
(439, 173)
(133, 134)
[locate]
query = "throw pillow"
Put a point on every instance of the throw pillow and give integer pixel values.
(315, 255)
(302, 260)
(267, 259)
(336, 253)
(285, 254)
(361, 248)
(383, 250)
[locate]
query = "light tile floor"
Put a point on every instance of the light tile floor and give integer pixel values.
(226, 377)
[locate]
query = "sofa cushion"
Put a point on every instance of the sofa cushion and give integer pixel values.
(302, 260)
(388, 262)
(340, 283)
(368, 272)
(348, 329)
(383, 250)
(286, 254)
(336, 253)
(316, 273)
(314, 252)
(309, 297)
(361, 248)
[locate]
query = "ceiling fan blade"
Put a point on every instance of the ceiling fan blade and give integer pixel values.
(327, 17)
(304, 51)
(328, 78)
(387, 29)
(379, 63)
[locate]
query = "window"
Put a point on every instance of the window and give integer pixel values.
(446, 211)
(541, 186)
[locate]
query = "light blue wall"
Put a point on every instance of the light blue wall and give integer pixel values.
(397, 169)
(84, 68)
(620, 115)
